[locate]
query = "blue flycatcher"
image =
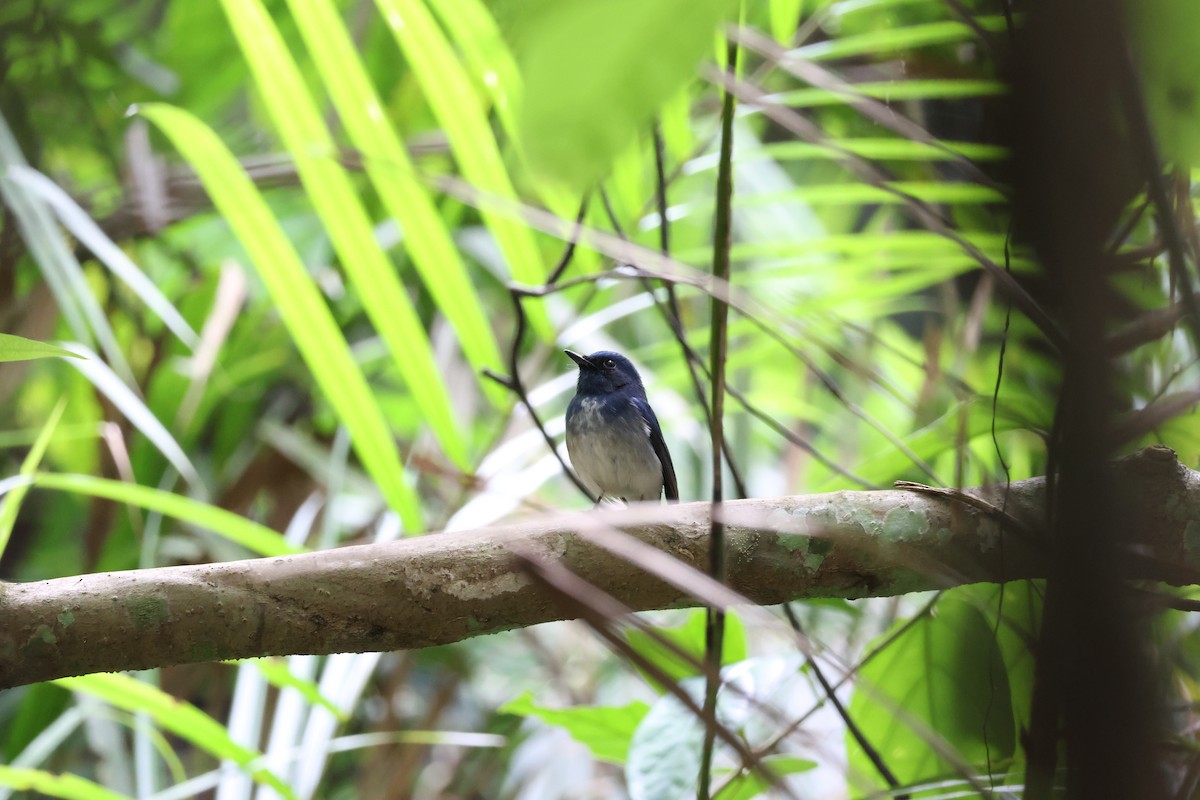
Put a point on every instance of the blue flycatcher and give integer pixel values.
(613, 436)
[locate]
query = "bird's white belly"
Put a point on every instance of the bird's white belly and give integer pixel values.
(614, 457)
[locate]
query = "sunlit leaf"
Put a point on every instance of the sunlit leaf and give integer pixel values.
(404, 196)
(459, 110)
(307, 317)
(298, 122)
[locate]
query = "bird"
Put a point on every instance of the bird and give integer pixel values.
(613, 436)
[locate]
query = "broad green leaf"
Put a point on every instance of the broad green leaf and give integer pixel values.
(10, 504)
(606, 731)
(179, 717)
(943, 677)
(297, 120)
(1019, 605)
(305, 314)
(1165, 37)
(18, 348)
(596, 72)
(404, 197)
(451, 94)
(49, 784)
(689, 637)
(249, 534)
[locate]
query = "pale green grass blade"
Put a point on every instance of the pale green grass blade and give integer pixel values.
(883, 149)
(892, 91)
(256, 538)
(860, 193)
(134, 409)
(392, 174)
(459, 110)
(889, 40)
(50, 784)
(11, 503)
(298, 123)
(85, 229)
(305, 314)
(58, 264)
(179, 717)
(18, 348)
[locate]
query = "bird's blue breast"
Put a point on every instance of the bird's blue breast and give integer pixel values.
(609, 444)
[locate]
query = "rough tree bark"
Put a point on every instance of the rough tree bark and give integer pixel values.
(443, 588)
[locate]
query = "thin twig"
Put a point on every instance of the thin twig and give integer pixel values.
(718, 353)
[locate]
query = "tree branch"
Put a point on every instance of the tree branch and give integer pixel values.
(447, 587)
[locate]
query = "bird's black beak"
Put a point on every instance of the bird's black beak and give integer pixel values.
(581, 360)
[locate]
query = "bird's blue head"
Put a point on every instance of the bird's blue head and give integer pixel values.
(604, 372)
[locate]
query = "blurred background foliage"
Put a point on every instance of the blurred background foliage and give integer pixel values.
(284, 235)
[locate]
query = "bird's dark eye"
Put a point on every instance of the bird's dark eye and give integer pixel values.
(609, 363)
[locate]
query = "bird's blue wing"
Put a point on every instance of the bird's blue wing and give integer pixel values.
(670, 485)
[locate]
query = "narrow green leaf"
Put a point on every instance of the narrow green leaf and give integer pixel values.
(49, 784)
(459, 109)
(492, 64)
(11, 503)
(476, 35)
(784, 17)
(859, 193)
(890, 40)
(879, 149)
(395, 180)
(179, 717)
(893, 91)
(18, 348)
(298, 123)
(305, 314)
(249, 534)
(605, 730)
(277, 673)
